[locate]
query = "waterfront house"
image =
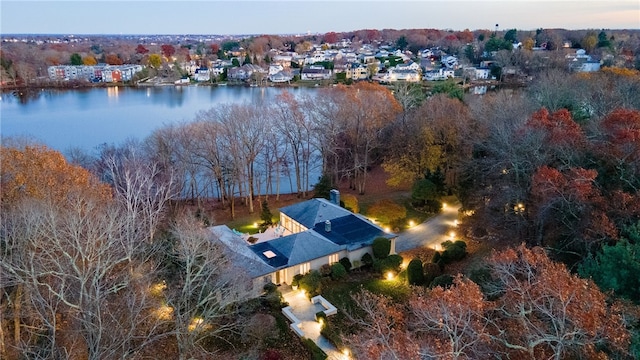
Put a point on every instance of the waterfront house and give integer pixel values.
(310, 234)
(315, 73)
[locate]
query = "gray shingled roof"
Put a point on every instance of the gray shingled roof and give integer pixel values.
(296, 248)
(311, 212)
(237, 249)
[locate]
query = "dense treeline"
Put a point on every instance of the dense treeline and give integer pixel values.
(100, 262)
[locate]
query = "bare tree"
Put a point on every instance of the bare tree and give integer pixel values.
(202, 298)
(293, 124)
(383, 333)
(143, 188)
(79, 262)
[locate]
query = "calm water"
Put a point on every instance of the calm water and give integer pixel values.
(63, 119)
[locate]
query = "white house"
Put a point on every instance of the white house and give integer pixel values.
(274, 69)
(411, 65)
(202, 74)
(315, 73)
(395, 74)
(450, 62)
(440, 74)
(582, 62)
(318, 232)
(281, 77)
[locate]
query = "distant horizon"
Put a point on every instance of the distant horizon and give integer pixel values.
(303, 17)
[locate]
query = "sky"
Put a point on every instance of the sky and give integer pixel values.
(307, 16)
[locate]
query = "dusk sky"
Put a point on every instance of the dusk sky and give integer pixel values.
(302, 16)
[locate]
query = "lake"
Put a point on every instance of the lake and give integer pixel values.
(86, 118)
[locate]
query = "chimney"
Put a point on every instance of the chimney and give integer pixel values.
(334, 197)
(327, 226)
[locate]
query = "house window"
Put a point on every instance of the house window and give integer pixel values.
(304, 268)
(333, 259)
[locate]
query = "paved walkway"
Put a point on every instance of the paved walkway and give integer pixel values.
(431, 232)
(306, 311)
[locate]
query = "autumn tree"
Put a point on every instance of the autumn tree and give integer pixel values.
(451, 323)
(620, 148)
(570, 209)
(89, 60)
(383, 332)
(366, 110)
(168, 51)
(41, 173)
(155, 61)
(432, 137)
(69, 252)
(331, 37)
(113, 59)
(141, 49)
(544, 311)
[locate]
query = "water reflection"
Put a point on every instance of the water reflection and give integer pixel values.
(86, 117)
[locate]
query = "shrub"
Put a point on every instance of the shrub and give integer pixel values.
(270, 288)
(346, 263)
(430, 271)
(332, 333)
(311, 282)
(415, 275)
(296, 279)
(316, 352)
(453, 251)
(444, 281)
(273, 300)
(338, 271)
(436, 259)
(321, 315)
(387, 211)
(367, 260)
(391, 263)
(351, 203)
(381, 247)
(325, 270)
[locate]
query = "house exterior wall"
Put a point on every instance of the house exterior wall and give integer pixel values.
(287, 274)
(291, 225)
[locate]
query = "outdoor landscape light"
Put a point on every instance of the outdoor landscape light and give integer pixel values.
(389, 275)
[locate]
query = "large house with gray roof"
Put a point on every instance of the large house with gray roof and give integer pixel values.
(310, 234)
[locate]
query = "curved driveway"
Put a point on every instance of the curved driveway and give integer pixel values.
(431, 232)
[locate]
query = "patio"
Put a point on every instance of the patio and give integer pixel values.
(305, 311)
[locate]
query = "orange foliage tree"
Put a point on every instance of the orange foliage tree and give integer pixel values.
(545, 312)
(451, 323)
(383, 330)
(41, 173)
(570, 208)
(620, 147)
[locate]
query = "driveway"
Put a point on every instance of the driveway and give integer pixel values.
(431, 232)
